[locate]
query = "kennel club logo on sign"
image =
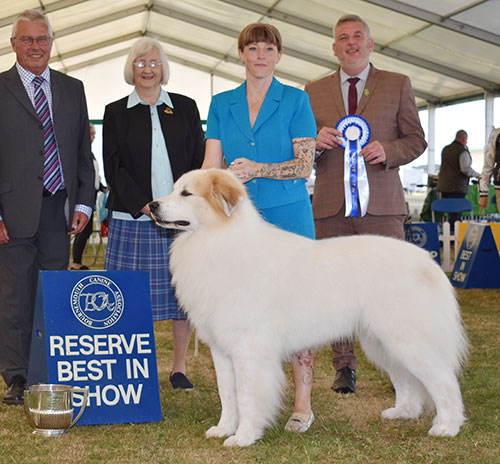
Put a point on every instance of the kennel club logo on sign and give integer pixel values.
(95, 330)
(97, 302)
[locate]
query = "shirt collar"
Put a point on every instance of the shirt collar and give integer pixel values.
(363, 75)
(27, 76)
(134, 99)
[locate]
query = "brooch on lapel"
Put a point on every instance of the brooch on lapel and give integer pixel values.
(367, 92)
(168, 110)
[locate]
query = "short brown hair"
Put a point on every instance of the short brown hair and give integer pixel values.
(259, 32)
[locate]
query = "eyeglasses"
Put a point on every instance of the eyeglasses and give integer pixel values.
(29, 40)
(142, 64)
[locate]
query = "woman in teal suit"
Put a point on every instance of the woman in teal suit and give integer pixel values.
(265, 133)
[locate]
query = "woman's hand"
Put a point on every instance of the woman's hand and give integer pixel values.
(145, 210)
(244, 169)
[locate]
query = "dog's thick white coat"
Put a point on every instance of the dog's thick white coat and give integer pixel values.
(256, 295)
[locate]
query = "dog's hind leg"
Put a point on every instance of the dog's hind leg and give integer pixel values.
(448, 400)
(441, 385)
(439, 380)
(410, 393)
(259, 383)
(226, 384)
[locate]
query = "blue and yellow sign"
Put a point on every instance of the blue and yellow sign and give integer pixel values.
(478, 263)
(95, 329)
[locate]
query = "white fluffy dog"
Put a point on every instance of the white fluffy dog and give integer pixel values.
(256, 295)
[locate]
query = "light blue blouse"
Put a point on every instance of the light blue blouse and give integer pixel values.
(162, 180)
(285, 114)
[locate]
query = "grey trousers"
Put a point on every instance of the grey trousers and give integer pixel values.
(20, 261)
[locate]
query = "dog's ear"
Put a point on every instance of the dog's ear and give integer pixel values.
(226, 192)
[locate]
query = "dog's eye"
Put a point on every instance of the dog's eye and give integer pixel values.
(185, 193)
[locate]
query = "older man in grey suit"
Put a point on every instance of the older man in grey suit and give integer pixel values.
(386, 101)
(46, 185)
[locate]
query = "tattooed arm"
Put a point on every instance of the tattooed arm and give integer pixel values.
(298, 168)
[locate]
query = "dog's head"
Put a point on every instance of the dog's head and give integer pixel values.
(200, 198)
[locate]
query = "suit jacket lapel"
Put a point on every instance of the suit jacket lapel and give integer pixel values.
(16, 87)
(238, 106)
(270, 104)
(337, 93)
(370, 85)
(56, 91)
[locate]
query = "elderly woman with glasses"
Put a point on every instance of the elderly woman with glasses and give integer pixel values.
(150, 138)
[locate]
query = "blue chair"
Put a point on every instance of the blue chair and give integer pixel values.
(451, 205)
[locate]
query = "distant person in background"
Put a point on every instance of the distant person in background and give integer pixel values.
(491, 168)
(150, 138)
(455, 172)
(83, 236)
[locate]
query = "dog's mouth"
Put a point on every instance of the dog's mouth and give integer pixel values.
(171, 224)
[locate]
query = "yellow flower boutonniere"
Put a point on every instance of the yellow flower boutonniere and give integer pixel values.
(168, 110)
(367, 92)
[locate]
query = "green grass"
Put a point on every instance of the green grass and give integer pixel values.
(347, 429)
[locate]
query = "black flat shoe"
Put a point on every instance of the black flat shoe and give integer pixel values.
(15, 393)
(180, 381)
(345, 381)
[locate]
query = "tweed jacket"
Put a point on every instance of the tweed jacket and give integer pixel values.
(388, 105)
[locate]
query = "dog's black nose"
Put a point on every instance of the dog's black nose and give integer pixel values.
(153, 206)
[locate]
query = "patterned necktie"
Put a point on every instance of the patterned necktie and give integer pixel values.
(353, 95)
(52, 179)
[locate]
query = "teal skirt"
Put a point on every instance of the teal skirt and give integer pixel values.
(295, 217)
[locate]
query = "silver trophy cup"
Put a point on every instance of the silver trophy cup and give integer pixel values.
(49, 407)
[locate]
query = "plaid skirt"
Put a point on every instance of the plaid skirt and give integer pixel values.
(143, 246)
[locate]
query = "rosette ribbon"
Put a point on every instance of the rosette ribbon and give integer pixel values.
(355, 135)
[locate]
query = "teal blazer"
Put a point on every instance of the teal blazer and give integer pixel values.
(285, 114)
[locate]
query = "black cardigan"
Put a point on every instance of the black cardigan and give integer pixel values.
(127, 148)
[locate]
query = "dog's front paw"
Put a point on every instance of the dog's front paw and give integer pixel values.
(216, 431)
(238, 440)
(401, 413)
(390, 413)
(440, 430)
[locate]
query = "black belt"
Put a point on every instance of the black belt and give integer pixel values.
(47, 193)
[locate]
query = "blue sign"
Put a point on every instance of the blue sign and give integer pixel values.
(95, 329)
(424, 235)
(478, 263)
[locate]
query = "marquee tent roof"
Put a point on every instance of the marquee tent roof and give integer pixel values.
(449, 48)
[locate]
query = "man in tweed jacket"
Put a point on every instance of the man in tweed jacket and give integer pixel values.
(386, 101)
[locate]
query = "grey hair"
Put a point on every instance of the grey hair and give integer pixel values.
(351, 18)
(142, 47)
(31, 16)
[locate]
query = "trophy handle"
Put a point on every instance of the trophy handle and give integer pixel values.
(85, 392)
(27, 408)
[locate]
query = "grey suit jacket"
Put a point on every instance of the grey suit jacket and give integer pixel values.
(388, 104)
(21, 150)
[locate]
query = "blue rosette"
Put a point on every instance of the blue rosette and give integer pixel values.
(356, 133)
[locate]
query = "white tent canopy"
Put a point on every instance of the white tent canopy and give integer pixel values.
(449, 48)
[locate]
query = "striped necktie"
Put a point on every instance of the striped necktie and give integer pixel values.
(52, 179)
